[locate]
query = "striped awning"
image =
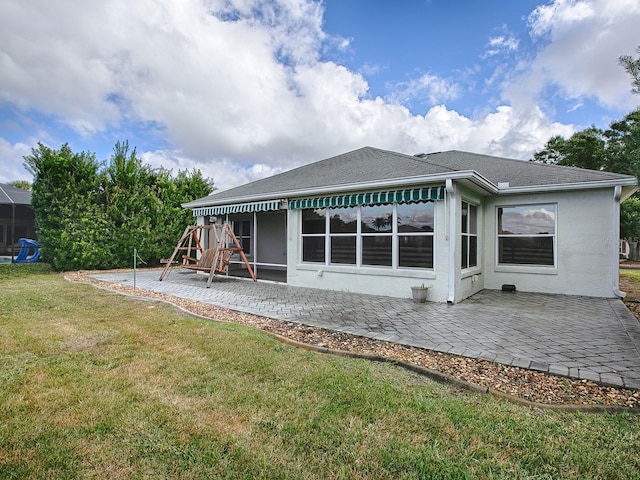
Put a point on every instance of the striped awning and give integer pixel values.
(266, 206)
(407, 195)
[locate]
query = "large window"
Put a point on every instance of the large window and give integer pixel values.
(376, 226)
(314, 227)
(415, 235)
(469, 235)
(343, 229)
(393, 236)
(527, 235)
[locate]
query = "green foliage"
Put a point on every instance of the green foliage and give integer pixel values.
(66, 199)
(22, 184)
(616, 149)
(585, 149)
(92, 216)
(613, 150)
(630, 219)
(632, 66)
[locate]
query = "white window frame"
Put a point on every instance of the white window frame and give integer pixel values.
(554, 236)
(394, 234)
(468, 235)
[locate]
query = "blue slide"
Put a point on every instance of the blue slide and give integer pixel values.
(27, 244)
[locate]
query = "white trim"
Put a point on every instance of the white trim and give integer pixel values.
(525, 267)
(451, 191)
(567, 186)
(617, 193)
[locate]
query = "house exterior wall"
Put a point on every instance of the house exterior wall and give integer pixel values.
(372, 280)
(586, 240)
(586, 246)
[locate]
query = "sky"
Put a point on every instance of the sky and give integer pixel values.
(243, 89)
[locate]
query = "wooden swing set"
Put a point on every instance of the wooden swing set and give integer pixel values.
(209, 260)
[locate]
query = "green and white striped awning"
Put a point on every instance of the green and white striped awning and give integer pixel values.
(265, 206)
(407, 195)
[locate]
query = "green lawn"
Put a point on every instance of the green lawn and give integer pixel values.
(630, 274)
(96, 385)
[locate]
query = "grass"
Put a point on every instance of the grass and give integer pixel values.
(630, 274)
(95, 385)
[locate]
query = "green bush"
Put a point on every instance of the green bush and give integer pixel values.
(91, 216)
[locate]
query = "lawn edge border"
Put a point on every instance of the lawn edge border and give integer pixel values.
(435, 375)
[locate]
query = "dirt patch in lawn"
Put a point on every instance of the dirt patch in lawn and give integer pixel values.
(526, 384)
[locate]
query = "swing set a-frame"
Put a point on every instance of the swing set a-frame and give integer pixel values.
(209, 260)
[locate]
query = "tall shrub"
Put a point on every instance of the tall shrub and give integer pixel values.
(67, 199)
(91, 216)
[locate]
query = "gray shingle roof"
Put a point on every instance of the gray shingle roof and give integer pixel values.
(368, 164)
(518, 173)
(12, 195)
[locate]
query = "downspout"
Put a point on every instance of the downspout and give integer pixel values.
(451, 197)
(617, 193)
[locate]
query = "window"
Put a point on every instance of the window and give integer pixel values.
(343, 229)
(313, 235)
(376, 226)
(527, 235)
(469, 235)
(380, 235)
(415, 235)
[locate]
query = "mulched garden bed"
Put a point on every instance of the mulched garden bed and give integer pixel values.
(525, 384)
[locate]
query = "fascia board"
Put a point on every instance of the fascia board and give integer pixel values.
(631, 182)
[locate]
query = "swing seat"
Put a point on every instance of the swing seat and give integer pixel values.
(207, 260)
(213, 260)
(202, 264)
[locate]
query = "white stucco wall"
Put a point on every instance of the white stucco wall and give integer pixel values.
(372, 280)
(585, 238)
(586, 241)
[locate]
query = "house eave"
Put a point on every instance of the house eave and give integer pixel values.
(629, 185)
(629, 188)
(333, 189)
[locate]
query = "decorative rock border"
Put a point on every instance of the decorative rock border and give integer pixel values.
(612, 399)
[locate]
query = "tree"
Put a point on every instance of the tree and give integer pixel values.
(632, 66)
(21, 184)
(584, 149)
(616, 149)
(71, 223)
(91, 216)
(630, 219)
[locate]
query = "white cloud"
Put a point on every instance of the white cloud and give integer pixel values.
(501, 44)
(226, 173)
(11, 160)
(427, 88)
(237, 87)
(580, 44)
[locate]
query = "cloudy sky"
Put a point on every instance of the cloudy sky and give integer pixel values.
(242, 89)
